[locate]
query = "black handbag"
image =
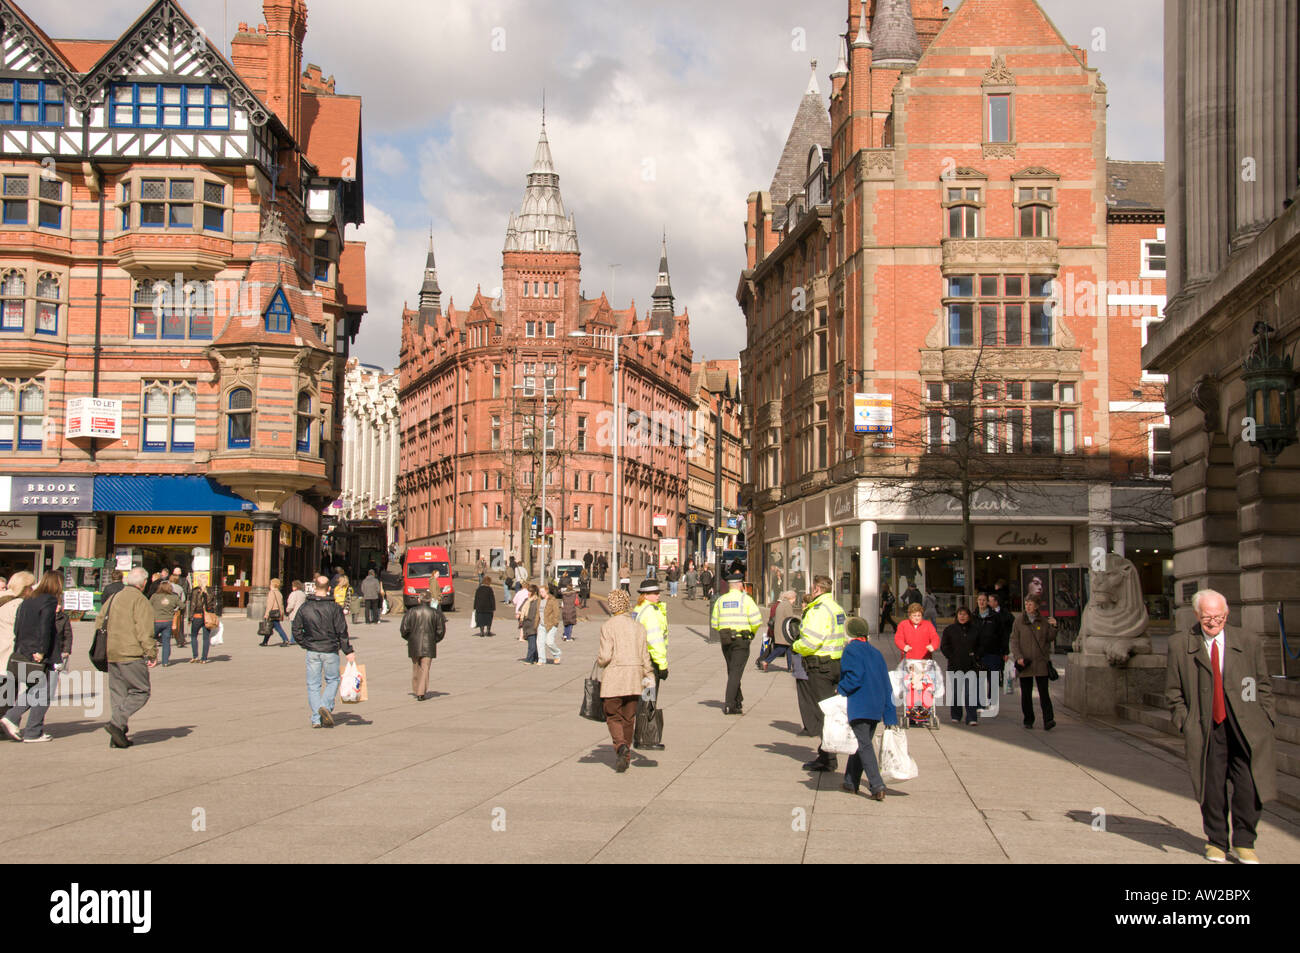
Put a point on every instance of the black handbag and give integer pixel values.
(1052, 673)
(648, 729)
(273, 615)
(264, 627)
(593, 706)
(99, 644)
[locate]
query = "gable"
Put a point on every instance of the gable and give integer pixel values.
(166, 42)
(26, 49)
(996, 23)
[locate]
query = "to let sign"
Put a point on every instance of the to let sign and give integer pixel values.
(873, 413)
(93, 417)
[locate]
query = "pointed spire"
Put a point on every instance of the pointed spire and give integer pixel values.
(842, 67)
(893, 35)
(863, 39)
(430, 293)
(661, 308)
(541, 224)
(813, 89)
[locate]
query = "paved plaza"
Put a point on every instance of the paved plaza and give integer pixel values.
(498, 767)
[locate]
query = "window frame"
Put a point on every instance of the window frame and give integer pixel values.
(304, 418)
(19, 416)
(172, 390)
(130, 200)
(1009, 98)
(1152, 471)
(159, 104)
(233, 442)
(1145, 269)
(975, 206)
(43, 102)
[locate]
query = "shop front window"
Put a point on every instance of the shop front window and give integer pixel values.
(820, 563)
(797, 565)
(776, 583)
(845, 562)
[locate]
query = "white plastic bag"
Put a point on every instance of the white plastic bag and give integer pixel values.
(384, 610)
(895, 763)
(350, 683)
(837, 735)
(218, 637)
(1009, 678)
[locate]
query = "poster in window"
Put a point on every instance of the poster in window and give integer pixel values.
(1036, 581)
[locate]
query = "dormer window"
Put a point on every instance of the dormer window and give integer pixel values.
(154, 106)
(278, 315)
(30, 103)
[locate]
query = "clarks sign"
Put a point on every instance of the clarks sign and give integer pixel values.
(1022, 539)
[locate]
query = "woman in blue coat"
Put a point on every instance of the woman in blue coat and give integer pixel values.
(864, 681)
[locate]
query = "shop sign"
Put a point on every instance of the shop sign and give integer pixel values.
(814, 512)
(57, 527)
(1022, 539)
(239, 533)
(669, 550)
(17, 527)
(51, 494)
(791, 520)
(660, 520)
(1017, 503)
(844, 505)
(147, 530)
(873, 413)
(93, 417)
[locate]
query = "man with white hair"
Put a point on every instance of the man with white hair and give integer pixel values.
(132, 651)
(1218, 688)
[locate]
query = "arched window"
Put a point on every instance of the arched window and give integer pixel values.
(304, 422)
(13, 306)
(1034, 211)
(239, 419)
(47, 304)
(22, 414)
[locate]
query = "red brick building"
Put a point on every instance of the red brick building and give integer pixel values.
(472, 387)
(173, 268)
(939, 264)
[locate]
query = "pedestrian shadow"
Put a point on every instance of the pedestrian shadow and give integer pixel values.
(795, 752)
(71, 728)
(1160, 834)
(348, 718)
(788, 726)
(641, 761)
(712, 703)
(152, 736)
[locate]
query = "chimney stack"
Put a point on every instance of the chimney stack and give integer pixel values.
(286, 28)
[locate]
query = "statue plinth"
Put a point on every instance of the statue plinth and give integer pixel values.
(1096, 686)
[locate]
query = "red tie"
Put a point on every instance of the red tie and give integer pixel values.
(1220, 708)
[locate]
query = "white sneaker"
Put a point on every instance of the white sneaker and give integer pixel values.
(10, 729)
(32, 741)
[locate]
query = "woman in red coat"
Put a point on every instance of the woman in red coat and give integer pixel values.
(916, 637)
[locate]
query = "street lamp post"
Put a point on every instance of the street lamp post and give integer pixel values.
(723, 402)
(618, 435)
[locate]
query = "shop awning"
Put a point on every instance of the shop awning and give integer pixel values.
(165, 494)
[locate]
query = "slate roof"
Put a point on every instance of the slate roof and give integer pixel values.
(811, 126)
(1135, 186)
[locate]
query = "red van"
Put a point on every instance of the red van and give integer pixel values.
(425, 566)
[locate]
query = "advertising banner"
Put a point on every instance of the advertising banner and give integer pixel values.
(873, 413)
(93, 417)
(167, 530)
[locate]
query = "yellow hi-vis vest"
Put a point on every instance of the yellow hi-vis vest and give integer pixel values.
(654, 616)
(822, 630)
(735, 609)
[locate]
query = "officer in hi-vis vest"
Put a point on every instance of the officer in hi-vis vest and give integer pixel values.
(653, 614)
(736, 617)
(821, 643)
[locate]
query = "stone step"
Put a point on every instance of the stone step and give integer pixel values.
(1154, 699)
(1288, 729)
(1288, 758)
(1288, 791)
(1288, 705)
(1157, 718)
(1288, 687)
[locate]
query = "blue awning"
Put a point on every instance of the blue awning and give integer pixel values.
(165, 494)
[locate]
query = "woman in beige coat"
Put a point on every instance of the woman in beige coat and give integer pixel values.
(625, 662)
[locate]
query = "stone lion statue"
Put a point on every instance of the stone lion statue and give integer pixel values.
(1114, 623)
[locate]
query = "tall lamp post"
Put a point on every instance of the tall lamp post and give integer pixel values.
(724, 403)
(541, 569)
(618, 434)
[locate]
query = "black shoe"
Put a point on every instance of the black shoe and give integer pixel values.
(1028, 725)
(118, 737)
(326, 717)
(264, 644)
(624, 759)
(817, 764)
(849, 788)
(1049, 726)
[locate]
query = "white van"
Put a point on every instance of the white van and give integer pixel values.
(563, 569)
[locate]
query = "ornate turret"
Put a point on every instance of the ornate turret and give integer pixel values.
(541, 224)
(893, 36)
(430, 293)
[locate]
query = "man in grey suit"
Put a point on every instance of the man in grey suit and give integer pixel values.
(1217, 685)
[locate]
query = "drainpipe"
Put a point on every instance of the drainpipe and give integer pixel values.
(99, 295)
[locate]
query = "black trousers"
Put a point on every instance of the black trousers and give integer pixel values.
(1227, 759)
(809, 712)
(1044, 698)
(735, 651)
(372, 610)
(823, 679)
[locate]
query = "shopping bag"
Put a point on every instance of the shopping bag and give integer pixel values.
(895, 763)
(364, 689)
(384, 607)
(837, 736)
(217, 637)
(593, 707)
(350, 684)
(648, 728)
(1009, 678)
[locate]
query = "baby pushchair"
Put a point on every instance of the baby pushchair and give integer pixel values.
(918, 687)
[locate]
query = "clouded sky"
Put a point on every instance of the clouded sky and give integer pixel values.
(660, 115)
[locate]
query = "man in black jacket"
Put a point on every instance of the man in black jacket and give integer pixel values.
(991, 637)
(319, 627)
(423, 627)
(960, 645)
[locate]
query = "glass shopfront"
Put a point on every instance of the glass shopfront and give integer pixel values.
(796, 562)
(846, 555)
(775, 571)
(820, 554)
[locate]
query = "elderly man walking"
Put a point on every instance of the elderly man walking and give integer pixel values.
(319, 627)
(1218, 688)
(423, 627)
(132, 651)
(373, 594)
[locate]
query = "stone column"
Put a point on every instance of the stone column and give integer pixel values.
(869, 573)
(87, 532)
(1117, 546)
(1211, 170)
(1265, 107)
(1175, 120)
(266, 524)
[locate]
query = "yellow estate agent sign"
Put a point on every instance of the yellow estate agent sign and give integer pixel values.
(144, 530)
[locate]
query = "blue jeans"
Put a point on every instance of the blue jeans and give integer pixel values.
(672, 588)
(278, 630)
(532, 648)
(163, 631)
(568, 631)
(196, 627)
(320, 664)
(864, 757)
